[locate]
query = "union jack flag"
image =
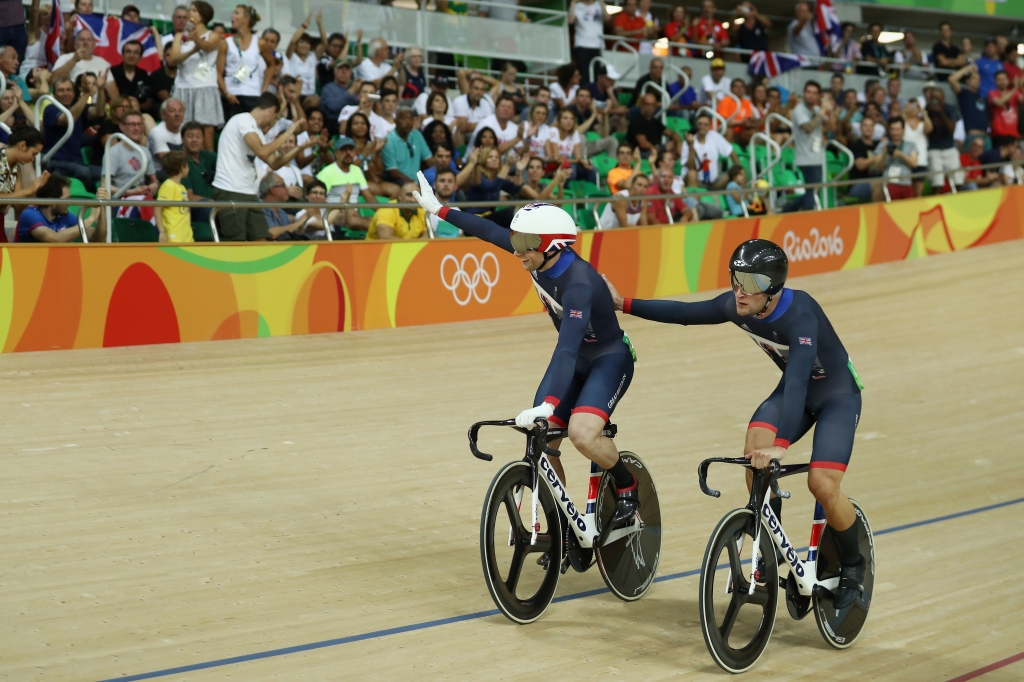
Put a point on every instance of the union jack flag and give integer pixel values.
(137, 212)
(578, 314)
(805, 340)
(111, 33)
(827, 28)
(771, 64)
(53, 33)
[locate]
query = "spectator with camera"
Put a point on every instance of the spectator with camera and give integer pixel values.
(899, 159)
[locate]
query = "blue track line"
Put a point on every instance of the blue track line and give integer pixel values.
(483, 614)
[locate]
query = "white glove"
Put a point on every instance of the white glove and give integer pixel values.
(526, 417)
(425, 196)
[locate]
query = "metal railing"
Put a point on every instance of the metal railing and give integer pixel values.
(45, 158)
(128, 185)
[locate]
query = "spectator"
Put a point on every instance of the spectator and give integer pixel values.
(875, 52)
(280, 226)
(586, 115)
(23, 145)
(651, 24)
(472, 107)
(779, 132)
(735, 198)
(565, 147)
(626, 211)
(867, 163)
(447, 193)
(288, 170)
(587, 17)
(441, 160)
(336, 51)
(679, 25)
(272, 62)
(68, 158)
(202, 167)
(319, 219)
(628, 23)
(384, 123)
(302, 60)
(129, 80)
(9, 62)
(741, 116)
(707, 30)
(12, 28)
(484, 178)
(125, 161)
(338, 94)
(374, 68)
(1008, 150)
(438, 86)
(367, 96)
(405, 150)
(759, 101)
(662, 211)
(531, 168)
(801, 32)
(848, 49)
(917, 126)
(368, 157)
(179, 22)
(645, 131)
(438, 133)
(603, 93)
(967, 49)
(173, 222)
(508, 134)
(874, 112)
(899, 159)
(749, 28)
(708, 147)
(1003, 103)
(34, 54)
(655, 74)
(973, 107)
(627, 167)
(837, 87)
(74, 64)
(543, 96)
(686, 104)
(1009, 56)
(241, 63)
(942, 155)
(535, 137)
(411, 76)
(977, 178)
(320, 155)
(241, 140)
(892, 93)
(810, 122)
(945, 54)
(565, 87)
(167, 135)
(437, 110)
(15, 111)
(714, 84)
(399, 223)
(343, 179)
(911, 59)
(50, 223)
(987, 67)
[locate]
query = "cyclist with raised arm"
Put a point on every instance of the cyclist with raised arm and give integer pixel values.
(592, 365)
(818, 385)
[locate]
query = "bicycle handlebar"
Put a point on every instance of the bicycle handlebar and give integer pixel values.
(541, 435)
(702, 475)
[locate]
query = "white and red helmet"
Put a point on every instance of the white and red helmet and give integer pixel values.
(555, 227)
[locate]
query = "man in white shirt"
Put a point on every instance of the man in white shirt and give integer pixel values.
(509, 134)
(708, 146)
(588, 18)
(74, 64)
(241, 142)
(167, 136)
(382, 124)
(801, 32)
(473, 107)
(714, 82)
(374, 68)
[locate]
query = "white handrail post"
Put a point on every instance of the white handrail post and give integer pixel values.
(106, 175)
(81, 225)
(40, 158)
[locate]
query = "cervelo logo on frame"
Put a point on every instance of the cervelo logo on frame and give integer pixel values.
(471, 278)
(814, 247)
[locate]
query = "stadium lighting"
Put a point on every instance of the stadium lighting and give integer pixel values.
(890, 36)
(1020, 49)
(613, 9)
(739, 21)
(726, 25)
(709, 54)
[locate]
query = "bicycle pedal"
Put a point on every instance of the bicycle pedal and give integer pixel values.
(565, 565)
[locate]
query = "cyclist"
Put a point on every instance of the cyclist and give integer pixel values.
(592, 365)
(819, 383)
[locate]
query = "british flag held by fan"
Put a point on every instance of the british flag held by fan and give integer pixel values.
(827, 28)
(111, 33)
(771, 64)
(53, 34)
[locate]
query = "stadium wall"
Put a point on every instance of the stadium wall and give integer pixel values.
(90, 296)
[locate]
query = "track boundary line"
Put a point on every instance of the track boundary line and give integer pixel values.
(272, 653)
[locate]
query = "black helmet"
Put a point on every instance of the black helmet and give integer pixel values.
(759, 266)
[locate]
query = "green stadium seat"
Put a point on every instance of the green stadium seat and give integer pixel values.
(624, 98)
(87, 155)
(593, 136)
(789, 157)
(134, 230)
(202, 232)
(78, 189)
(678, 124)
(603, 163)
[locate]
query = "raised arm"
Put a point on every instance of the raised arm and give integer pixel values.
(471, 224)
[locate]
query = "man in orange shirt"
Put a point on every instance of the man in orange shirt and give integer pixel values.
(621, 177)
(744, 122)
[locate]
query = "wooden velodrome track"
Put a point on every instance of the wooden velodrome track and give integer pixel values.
(167, 507)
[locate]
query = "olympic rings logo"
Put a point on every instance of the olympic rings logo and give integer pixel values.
(461, 279)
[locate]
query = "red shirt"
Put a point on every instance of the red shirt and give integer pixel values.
(629, 23)
(966, 162)
(656, 209)
(673, 28)
(1004, 118)
(1012, 70)
(708, 31)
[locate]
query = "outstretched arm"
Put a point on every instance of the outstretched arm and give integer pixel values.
(473, 225)
(712, 311)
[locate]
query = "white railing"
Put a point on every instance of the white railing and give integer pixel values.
(128, 185)
(41, 158)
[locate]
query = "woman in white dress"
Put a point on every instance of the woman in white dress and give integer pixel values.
(194, 52)
(240, 63)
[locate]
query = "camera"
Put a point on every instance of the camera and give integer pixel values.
(890, 148)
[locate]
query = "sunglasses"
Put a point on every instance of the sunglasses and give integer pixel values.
(750, 283)
(523, 242)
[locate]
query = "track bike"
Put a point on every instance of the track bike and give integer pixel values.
(738, 602)
(522, 588)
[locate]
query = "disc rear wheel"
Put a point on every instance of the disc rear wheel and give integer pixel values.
(842, 628)
(520, 586)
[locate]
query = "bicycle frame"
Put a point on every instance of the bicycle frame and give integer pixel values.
(804, 571)
(584, 525)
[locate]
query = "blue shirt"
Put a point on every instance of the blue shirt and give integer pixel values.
(987, 70)
(32, 217)
(431, 173)
(52, 132)
(334, 98)
(735, 207)
(688, 97)
(406, 155)
(974, 109)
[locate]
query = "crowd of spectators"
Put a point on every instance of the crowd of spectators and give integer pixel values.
(233, 113)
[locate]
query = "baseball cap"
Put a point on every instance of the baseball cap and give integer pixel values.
(344, 142)
(342, 61)
(130, 8)
(717, 63)
(440, 81)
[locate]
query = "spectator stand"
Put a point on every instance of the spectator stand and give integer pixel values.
(126, 222)
(45, 158)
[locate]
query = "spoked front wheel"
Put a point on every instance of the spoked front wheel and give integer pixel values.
(842, 628)
(737, 624)
(520, 586)
(628, 564)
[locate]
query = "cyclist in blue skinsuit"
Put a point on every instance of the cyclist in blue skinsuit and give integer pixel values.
(592, 365)
(818, 385)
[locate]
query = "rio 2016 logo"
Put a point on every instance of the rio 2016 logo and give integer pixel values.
(815, 246)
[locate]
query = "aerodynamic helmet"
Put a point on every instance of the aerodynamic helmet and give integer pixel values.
(542, 227)
(759, 266)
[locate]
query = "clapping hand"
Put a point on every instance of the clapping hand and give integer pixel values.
(295, 192)
(39, 182)
(425, 196)
(298, 126)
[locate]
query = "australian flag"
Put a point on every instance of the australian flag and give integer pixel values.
(827, 28)
(53, 34)
(771, 64)
(111, 33)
